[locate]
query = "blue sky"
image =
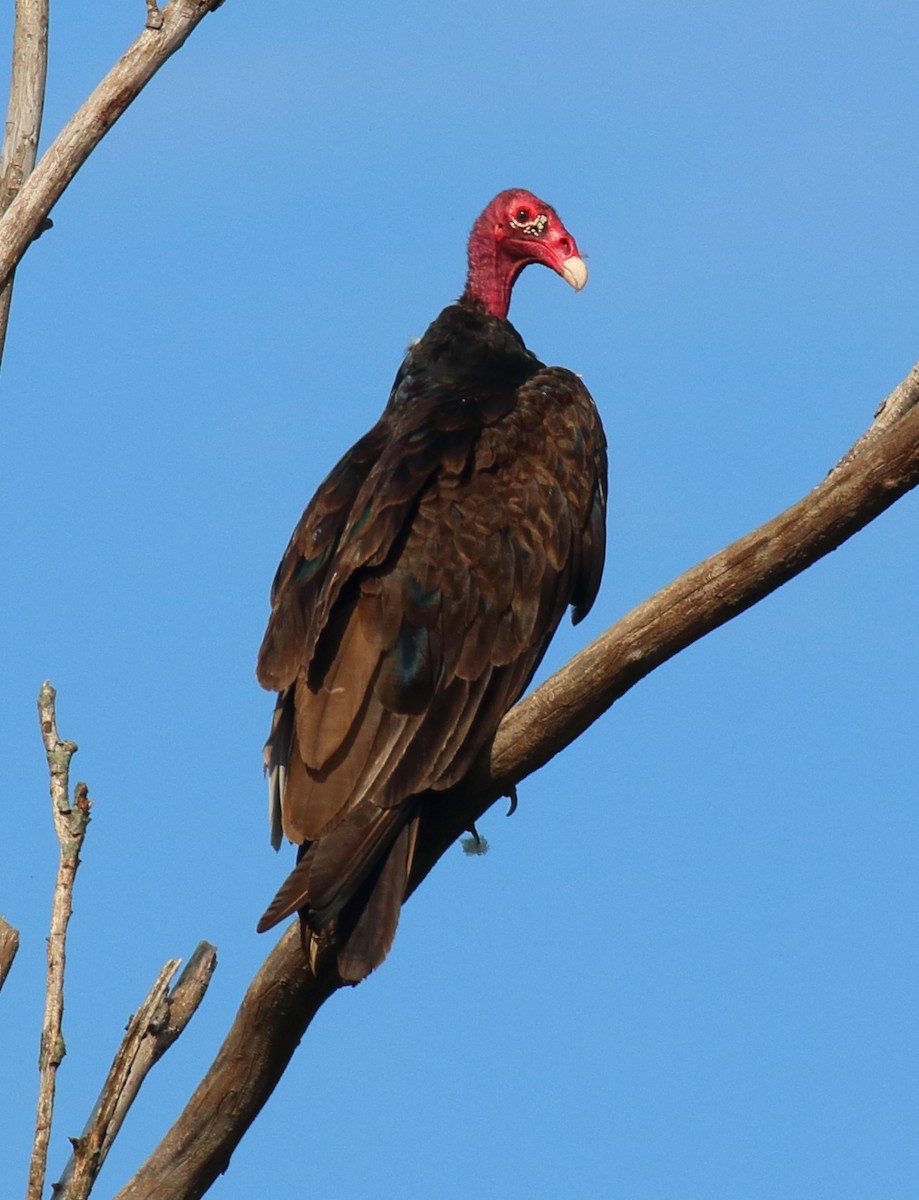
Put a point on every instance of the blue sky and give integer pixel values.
(687, 969)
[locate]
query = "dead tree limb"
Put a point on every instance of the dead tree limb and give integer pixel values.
(881, 467)
(23, 116)
(283, 998)
(278, 1006)
(155, 1026)
(166, 31)
(70, 824)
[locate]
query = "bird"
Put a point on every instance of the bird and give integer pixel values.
(420, 590)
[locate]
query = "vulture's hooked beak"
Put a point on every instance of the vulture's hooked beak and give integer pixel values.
(574, 271)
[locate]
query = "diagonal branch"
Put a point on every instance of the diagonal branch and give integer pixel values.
(23, 116)
(151, 1031)
(278, 1006)
(283, 998)
(881, 467)
(70, 824)
(166, 31)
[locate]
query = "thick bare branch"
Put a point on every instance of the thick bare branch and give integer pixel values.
(275, 1012)
(283, 998)
(9, 944)
(23, 116)
(89, 124)
(151, 1031)
(868, 479)
(70, 824)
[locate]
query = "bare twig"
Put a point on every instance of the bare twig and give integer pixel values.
(23, 116)
(154, 16)
(904, 396)
(283, 998)
(70, 824)
(9, 944)
(151, 1031)
(89, 124)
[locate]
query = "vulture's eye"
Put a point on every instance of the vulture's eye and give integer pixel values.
(523, 215)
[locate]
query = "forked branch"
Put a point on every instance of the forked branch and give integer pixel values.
(283, 998)
(150, 1033)
(166, 31)
(161, 1018)
(23, 116)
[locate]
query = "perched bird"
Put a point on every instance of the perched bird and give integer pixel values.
(421, 588)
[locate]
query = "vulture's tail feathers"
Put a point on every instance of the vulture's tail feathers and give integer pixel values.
(348, 888)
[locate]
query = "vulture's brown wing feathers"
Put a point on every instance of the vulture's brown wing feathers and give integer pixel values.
(415, 600)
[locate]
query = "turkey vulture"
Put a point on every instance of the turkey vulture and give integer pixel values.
(421, 588)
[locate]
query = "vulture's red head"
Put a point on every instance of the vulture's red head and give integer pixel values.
(517, 229)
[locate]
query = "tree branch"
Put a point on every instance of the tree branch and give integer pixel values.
(70, 824)
(276, 1010)
(151, 1031)
(882, 466)
(89, 124)
(23, 116)
(283, 998)
(904, 397)
(9, 944)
